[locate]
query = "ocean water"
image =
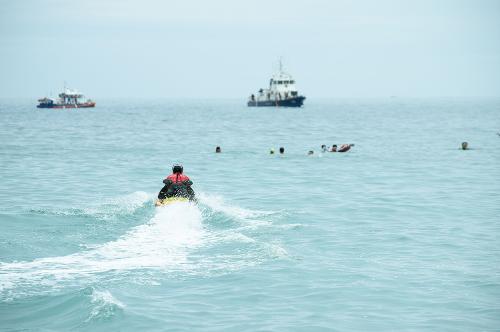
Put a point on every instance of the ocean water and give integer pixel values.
(401, 233)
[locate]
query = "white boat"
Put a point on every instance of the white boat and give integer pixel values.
(281, 92)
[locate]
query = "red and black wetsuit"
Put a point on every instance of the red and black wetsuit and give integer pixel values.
(177, 185)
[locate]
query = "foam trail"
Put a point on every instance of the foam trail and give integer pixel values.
(110, 208)
(217, 204)
(163, 242)
(120, 205)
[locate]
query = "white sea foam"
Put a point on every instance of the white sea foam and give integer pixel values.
(119, 205)
(277, 251)
(217, 204)
(108, 208)
(165, 241)
(128, 202)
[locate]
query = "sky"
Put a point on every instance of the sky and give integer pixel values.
(229, 49)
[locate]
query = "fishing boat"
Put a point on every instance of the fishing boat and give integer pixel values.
(281, 92)
(67, 99)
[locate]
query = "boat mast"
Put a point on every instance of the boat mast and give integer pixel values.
(64, 92)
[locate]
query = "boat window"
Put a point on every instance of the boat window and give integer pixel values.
(292, 82)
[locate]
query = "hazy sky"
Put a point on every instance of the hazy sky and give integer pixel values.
(229, 48)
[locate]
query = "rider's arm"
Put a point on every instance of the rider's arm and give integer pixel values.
(163, 192)
(189, 190)
(191, 193)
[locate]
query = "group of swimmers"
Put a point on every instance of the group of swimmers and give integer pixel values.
(333, 148)
(282, 150)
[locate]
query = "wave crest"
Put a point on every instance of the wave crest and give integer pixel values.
(103, 305)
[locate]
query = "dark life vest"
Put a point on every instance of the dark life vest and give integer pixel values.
(177, 185)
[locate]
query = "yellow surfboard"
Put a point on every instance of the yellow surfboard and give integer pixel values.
(170, 200)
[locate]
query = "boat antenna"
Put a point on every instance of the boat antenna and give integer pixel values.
(281, 65)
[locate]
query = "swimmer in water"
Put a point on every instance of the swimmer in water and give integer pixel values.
(217, 149)
(342, 148)
(345, 147)
(465, 146)
(282, 150)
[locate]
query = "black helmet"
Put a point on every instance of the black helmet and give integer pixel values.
(177, 168)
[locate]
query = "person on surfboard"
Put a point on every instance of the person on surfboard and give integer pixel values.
(177, 185)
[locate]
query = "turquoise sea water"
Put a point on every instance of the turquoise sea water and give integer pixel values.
(401, 233)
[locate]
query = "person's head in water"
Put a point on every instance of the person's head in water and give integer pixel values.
(217, 149)
(311, 152)
(465, 145)
(271, 151)
(323, 147)
(282, 150)
(177, 169)
(334, 148)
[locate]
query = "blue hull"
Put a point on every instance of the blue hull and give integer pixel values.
(83, 105)
(291, 102)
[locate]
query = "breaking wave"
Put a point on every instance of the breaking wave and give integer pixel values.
(103, 305)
